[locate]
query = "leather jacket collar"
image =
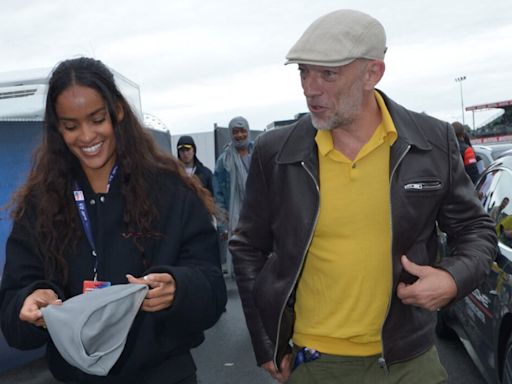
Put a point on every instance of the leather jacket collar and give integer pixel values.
(297, 147)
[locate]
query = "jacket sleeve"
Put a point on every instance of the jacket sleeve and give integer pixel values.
(469, 228)
(221, 184)
(200, 296)
(23, 273)
(209, 182)
(250, 246)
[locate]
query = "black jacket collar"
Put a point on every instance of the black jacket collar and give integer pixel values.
(300, 145)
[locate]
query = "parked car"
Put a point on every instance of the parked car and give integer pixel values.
(490, 152)
(483, 319)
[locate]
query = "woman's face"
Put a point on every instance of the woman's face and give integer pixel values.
(86, 127)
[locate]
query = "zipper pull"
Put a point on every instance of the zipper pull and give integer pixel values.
(383, 364)
(414, 186)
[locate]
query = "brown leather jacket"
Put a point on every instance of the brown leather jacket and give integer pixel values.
(428, 185)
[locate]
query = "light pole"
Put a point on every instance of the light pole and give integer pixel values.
(459, 80)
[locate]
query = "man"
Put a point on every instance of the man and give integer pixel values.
(230, 176)
(187, 153)
(466, 151)
(336, 245)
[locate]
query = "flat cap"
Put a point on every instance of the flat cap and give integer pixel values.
(339, 38)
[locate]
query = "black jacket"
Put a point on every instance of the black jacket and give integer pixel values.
(204, 174)
(469, 159)
(158, 343)
(428, 185)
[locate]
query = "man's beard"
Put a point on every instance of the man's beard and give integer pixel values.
(344, 116)
(332, 123)
(241, 144)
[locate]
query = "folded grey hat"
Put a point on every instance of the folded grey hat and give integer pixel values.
(339, 38)
(90, 330)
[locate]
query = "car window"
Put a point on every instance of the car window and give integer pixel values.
(499, 207)
(485, 188)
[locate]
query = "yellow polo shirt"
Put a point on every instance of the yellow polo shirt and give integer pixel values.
(345, 288)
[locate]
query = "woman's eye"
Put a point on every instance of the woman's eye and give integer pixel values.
(99, 120)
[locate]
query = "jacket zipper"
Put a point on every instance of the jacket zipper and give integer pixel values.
(423, 186)
(382, 359)
(301, 263)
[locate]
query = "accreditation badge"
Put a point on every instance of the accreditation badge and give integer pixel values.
(91, 285)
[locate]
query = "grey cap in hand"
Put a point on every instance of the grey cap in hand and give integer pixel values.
(339, 38)
(90, 330)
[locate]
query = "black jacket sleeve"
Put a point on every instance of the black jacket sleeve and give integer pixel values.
(23, 274)
(200, 289)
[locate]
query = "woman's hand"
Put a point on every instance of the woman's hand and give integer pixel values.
(31, 309)
(162, 288)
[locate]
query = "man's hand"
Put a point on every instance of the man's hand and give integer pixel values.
(161, 293)
(284, 373)
(31, 309)
(434, 288)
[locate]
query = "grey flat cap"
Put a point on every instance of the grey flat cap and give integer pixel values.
(90, 330)
(339, 38)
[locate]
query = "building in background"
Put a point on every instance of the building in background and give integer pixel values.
(498, 128)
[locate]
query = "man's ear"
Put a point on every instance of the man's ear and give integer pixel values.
(119, 112)
(375, 72)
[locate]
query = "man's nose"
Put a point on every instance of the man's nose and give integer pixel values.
(311, 85)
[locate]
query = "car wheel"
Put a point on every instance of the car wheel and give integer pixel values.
(507, 363)
(443, 330)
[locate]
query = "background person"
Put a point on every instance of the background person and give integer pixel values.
(466, 151)
(142, 220)
(336, 244)
(230, 176)
(187, 153)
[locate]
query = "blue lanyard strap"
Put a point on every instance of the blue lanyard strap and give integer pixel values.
(84, 216)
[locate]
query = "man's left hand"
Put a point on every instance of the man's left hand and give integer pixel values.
(162, 288)
(434, 288)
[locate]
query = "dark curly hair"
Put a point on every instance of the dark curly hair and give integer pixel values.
(54, 167)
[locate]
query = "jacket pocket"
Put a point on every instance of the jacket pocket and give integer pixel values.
(423, 186)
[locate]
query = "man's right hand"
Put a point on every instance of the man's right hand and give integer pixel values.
(31, 309)
(283, 374)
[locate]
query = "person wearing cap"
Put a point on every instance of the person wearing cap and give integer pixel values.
(335, 249)
(230, 175)
(187, 153)
(102, 207)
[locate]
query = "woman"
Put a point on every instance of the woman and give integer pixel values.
(103, 205)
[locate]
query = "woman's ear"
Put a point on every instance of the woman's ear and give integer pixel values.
(119, 112)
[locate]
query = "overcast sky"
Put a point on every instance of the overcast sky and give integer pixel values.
(202, 62)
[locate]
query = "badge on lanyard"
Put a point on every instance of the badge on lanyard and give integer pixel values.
(91, 285)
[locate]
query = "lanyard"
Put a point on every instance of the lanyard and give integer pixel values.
(84, 216)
